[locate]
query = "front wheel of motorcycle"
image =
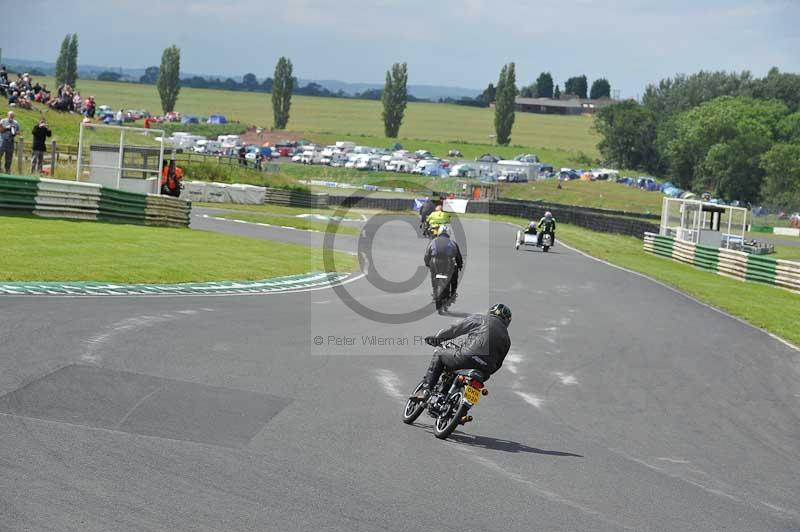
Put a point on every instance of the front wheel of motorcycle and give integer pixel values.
(414, 407)
(447, 422)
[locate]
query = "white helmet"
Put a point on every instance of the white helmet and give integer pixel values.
(548, 215)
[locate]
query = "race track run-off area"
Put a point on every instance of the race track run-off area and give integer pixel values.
(622, 405)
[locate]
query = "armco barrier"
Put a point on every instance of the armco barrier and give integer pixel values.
(727, 262)
(517, 209)
(368, 202)
(55, 198)
(67, 199)
(562, 208)
(295, 198)
(595, 222)
(18, 194)
(166, 211)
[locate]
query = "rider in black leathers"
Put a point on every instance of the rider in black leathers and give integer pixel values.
(427, 208)
(485, 348)
(443, 256)
(546, 225)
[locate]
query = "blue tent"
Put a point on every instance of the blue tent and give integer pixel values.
(217, 119)
(189, 119)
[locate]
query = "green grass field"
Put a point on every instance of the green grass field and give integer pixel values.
(326, 119)
(601, 194)
(36, 249)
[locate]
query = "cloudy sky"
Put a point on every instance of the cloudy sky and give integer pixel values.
(445, 42)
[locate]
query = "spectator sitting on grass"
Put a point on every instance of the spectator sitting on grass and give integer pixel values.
(77, 102)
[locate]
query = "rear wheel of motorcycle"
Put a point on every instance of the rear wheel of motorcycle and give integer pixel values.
(545, 248)
(447, 423)
(413, 407)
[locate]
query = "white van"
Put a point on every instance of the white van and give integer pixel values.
(425, 164)
(207, 146)
(400, 165)
(310, 157)
(345, 145)
(338, 159)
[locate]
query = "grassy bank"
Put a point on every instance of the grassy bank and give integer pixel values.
(600, 194)
(36, 249)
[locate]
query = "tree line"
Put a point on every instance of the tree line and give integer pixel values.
(250, 83)
(543, 87)
(727, 133)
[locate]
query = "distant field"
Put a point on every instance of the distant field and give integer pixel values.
(342, 117)
(600, 194)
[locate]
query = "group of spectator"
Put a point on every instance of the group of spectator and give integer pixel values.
(23, 91)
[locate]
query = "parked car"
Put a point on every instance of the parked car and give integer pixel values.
(568, 175)
(217, 119)
(400, 165)
(104, 110)
(464, 170)
(454, 153)
(425, 164)
(310, 157)
(512, 177)
(488, 158)
(527, 158)
(172, 116)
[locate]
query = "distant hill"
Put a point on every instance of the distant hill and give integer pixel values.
(428, 92)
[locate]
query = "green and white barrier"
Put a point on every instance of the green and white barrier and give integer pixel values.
(277, 284)
(54, 198)
(736, 264)
(781, 231)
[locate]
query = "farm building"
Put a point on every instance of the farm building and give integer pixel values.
(572, 106)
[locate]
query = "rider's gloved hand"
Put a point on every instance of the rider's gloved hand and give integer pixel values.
(432, 340)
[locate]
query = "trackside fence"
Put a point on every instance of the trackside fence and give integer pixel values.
(736, 264)
(53, 198)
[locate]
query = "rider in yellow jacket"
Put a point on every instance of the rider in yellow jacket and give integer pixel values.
(438, 218)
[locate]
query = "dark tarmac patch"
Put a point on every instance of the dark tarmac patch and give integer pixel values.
(142, 404)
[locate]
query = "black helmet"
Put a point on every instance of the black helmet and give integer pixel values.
(502, 312)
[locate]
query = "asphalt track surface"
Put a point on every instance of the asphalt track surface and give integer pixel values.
(622, 406)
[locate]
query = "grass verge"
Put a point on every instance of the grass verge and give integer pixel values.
(36, 249)
(764, 306)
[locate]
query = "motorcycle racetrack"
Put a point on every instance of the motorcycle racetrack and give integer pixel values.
(623, 405)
